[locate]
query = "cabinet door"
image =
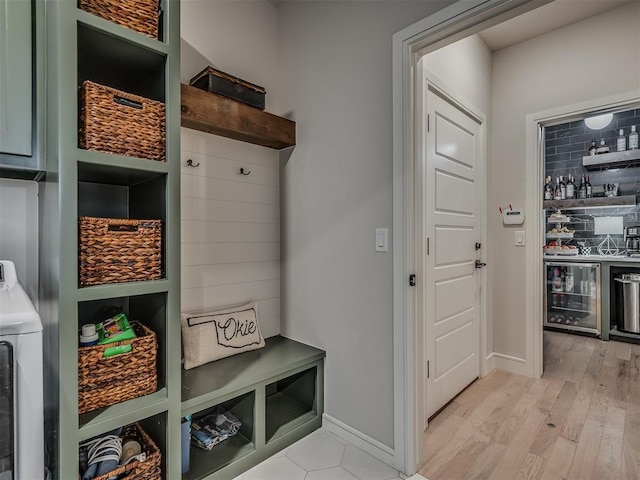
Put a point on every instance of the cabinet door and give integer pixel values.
(16, 82)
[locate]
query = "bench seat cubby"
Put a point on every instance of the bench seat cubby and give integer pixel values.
(277, 393)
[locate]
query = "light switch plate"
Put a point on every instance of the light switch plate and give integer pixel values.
(382, 239)
(519, 234)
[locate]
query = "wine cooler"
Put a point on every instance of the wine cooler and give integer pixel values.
(572, 297)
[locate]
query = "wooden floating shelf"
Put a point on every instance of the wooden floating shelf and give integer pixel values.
(622, 201)
(612, 159)
(211, 113)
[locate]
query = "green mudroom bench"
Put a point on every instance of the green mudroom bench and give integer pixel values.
(277, 393)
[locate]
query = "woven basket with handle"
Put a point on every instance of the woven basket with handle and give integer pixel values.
(106, 381)
(138, 15)
(114, 250)
(149, 469)
(118, 122)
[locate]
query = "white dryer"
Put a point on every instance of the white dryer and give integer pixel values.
(21, 397)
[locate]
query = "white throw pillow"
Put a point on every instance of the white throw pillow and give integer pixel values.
(210, 336)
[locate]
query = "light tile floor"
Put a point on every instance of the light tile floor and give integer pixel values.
(321, 456)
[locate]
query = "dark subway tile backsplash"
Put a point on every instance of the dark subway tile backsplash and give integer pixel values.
(566, 144)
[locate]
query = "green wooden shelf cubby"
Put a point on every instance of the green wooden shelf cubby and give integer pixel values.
(81, 46)
(278, 391)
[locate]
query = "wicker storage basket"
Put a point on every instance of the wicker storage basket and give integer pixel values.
(114, 121)
(139, 15)
(149, 469)
(107, 381)
(119, 250)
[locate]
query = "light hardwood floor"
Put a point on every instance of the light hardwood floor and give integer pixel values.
(580, 421)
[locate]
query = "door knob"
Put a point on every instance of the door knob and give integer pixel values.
(479, 264)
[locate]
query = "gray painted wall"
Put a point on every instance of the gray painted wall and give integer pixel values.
(19, 231)
(465, 69)
(545, 73)
(335, 81)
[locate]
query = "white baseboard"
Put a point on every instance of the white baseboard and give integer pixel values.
(416, 477)
(510, 364)
(487, 366)
(362, 441)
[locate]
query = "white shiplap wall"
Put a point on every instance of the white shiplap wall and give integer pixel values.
(230, 227)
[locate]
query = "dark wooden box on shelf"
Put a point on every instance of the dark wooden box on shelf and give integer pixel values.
(212, 113)
(221, 83)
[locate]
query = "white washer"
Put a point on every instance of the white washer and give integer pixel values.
(21, 397)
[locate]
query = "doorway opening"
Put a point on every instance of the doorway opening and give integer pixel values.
(584, 233)
(514, 311)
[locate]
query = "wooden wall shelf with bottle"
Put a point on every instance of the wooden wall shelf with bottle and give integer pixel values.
(613, 159)
(621, 201)
(212, 113)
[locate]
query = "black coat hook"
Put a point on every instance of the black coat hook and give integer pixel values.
(191, 164)
(243, 172)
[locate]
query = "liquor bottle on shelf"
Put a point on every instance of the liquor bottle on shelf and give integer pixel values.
(571, 189)
(582, 190)
(633, 138)
(584, 287)
(557, 192)
(568, 282)
(564, 300)
(592, 148)
(548, 191)
(556, 281)
(621, 141)
(563, 188)
(588, 187)
(603, 148)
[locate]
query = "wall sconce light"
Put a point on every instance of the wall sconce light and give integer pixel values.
(598, 122)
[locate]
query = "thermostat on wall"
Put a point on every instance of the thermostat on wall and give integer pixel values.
(512, 217)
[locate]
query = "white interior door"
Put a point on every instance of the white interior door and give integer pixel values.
(453, 206)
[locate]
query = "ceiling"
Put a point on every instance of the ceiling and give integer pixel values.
(549, 17)
(545, 19)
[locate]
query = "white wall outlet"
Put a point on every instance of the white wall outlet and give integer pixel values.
(382, 239)
(519, 238)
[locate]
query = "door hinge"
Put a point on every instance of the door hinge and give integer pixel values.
(428, 123)
(412, 280)
(428, 369)
(427, 245)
